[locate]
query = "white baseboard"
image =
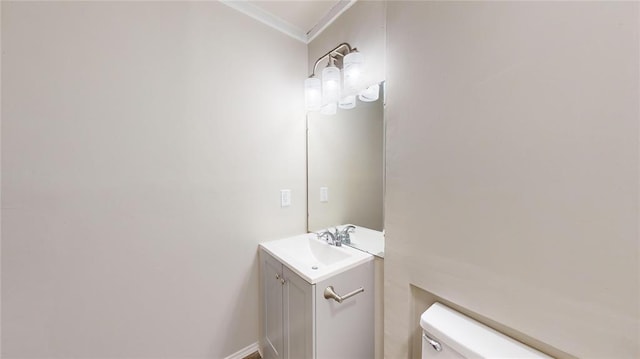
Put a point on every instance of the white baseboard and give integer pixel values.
(250, 349)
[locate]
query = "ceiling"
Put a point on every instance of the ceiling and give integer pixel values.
(300, 19)
(303, 14)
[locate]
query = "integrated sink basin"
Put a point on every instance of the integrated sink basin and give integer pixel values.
(314, 251)
(314, 259)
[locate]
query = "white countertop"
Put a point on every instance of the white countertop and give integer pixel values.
(313, 259)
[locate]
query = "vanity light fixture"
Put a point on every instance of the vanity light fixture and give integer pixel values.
(340, 82)
(370, 94)
(330, 83)
(312, 94)
(352, 65)
(347, 102)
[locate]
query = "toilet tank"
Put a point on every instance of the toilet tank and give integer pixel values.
(450, 334)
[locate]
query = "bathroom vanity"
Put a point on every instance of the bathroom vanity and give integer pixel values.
(318, 300)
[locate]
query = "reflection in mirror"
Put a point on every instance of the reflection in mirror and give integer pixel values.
(345, 167)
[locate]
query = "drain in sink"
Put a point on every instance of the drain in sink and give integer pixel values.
(314, 267)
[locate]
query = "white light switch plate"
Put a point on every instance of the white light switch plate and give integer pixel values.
(285, 198)
(324, 194)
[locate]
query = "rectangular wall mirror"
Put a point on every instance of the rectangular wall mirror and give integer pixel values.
(345, 170)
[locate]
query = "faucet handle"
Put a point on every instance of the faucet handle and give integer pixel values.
(344, 234)
(349, 229)
(328, 236)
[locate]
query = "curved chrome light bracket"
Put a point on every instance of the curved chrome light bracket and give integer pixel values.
(337, 53)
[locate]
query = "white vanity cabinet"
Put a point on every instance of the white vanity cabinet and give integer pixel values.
(287, 311)
(299, 323)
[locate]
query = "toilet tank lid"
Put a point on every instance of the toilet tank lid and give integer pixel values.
(471, 338)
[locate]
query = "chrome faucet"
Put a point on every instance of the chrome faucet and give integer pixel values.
(344, 234)
(334, 239)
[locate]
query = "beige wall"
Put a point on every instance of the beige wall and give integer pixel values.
(133, 198)
(512, 169)
(141, 166)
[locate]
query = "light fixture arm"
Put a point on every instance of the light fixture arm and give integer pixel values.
(333, 52)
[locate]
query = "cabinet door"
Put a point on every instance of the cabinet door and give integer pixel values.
(345, 330)
(299, 301)
(272, 310)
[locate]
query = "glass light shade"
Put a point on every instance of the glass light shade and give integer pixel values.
(353, 65)
(312, 94)
(347, 102)
(329, 109)
(370, 94)
(330, 84)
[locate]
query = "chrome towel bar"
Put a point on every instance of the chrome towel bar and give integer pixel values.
(329, 293)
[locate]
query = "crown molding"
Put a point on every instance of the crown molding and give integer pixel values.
(267, 18)
(285, 27)
(329, 18)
